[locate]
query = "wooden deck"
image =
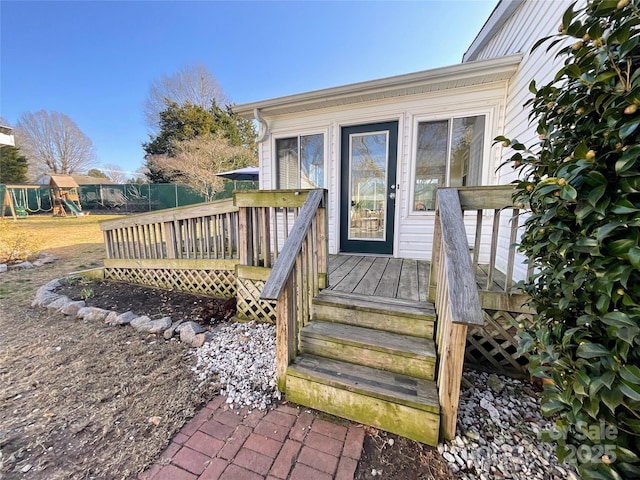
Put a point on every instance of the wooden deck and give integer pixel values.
(402, 278)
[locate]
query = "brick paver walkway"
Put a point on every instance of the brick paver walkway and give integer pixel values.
(285, 443)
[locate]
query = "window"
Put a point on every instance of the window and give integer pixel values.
(448, 153)
(300, 161)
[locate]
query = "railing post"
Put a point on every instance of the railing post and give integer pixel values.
(435, 258)
(457, 303)
(285, 333)
(450, 377)
(323, 247)
(245, 236)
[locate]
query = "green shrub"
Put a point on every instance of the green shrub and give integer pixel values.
(581, 185)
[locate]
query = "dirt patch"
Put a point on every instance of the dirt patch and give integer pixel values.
(80, 399)
(384, 455)
(390, 457)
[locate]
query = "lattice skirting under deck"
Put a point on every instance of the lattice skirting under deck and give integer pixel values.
(249, 305)
(494, 346)
(213, 283)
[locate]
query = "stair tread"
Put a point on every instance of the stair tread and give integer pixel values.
(372, 339)
(392, 387)
(397, 306)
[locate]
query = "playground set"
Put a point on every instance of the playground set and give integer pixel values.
(62, 193)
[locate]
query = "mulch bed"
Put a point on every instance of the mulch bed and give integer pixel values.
(155, 303)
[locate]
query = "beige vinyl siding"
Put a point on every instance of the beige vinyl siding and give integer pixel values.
(534, 19)
(541, 66)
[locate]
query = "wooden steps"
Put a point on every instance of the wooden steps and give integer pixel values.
(374, 348)
(381, 313)
(395, 403)
(371, 360)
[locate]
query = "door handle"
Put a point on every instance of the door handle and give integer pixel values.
(392, 195)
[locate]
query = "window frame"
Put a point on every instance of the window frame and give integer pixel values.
(449, 117)
(297, 135)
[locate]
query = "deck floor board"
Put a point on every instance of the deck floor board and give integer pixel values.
(424, 270)
(371, 278)
(408, 281)
(355, 276)
(388, 286)
(335, 261)
(343, 270)
(369, 275)
(402, 278)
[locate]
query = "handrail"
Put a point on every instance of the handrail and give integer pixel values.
(270, 198)
(465, 308)
(456, 300)
(296, 278)
(485, 198)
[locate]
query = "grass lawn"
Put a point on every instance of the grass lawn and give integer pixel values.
(28, 236)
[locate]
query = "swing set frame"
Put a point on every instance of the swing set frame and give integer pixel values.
(7, 200)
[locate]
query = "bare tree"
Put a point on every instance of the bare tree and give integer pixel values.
(192, 83)
(139, 176)
(199, 159)
(115, 173)
(53, 143)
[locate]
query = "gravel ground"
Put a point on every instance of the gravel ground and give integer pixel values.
(499, 433)
(242, 358)
(499, 420)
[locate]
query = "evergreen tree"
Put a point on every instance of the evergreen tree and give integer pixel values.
(180, 123)
(13, 166)
(97, 173)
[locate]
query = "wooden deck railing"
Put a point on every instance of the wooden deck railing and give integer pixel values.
(260, 219)
(494, 222)
(203, 231)
(266, 220)
(211, 243)
(297, 276)
(456, 301)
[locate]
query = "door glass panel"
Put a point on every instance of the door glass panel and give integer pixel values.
(368, 163)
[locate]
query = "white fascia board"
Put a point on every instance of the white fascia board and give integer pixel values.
(496, 20)
(505, 66)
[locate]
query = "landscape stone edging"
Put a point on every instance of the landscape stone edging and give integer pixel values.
(191, 333)
(43, 259)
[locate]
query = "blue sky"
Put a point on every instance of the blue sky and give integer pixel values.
(94, 61)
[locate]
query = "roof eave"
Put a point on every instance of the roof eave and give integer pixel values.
(505, 66)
